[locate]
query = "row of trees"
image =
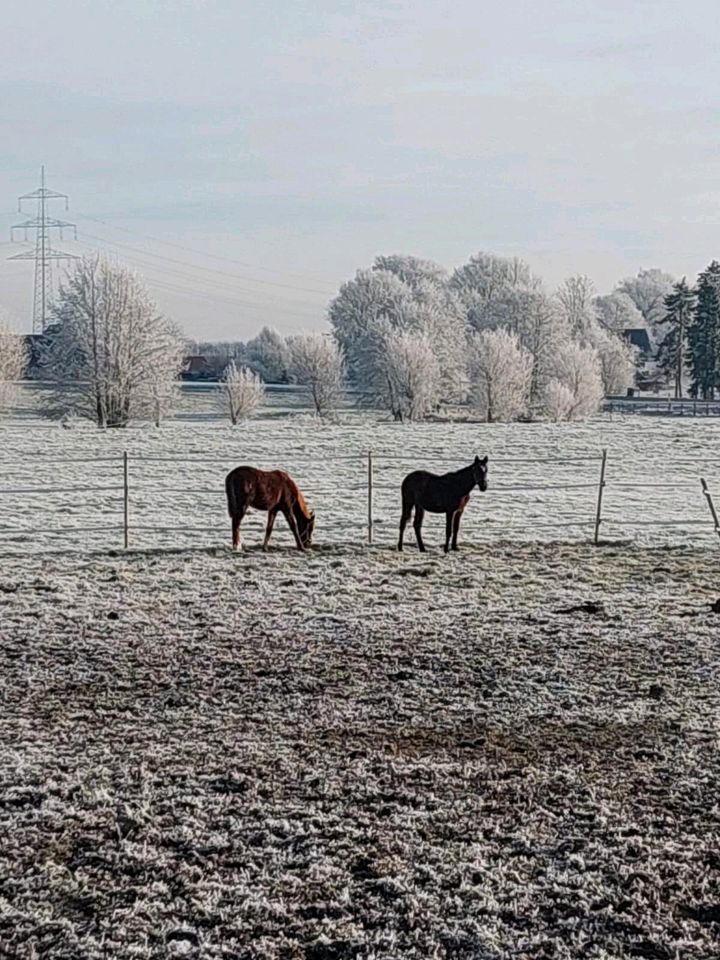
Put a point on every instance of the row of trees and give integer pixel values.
(113, 358)
(312, 359)
(690, 346)
(408, 334)
(415, 335)
(266, 355)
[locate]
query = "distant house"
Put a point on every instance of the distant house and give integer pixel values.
(37, 346)
(638, 337)
(196, 368)
(648, 378)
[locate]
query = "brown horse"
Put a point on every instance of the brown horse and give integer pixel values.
(448, 494)
(270, 490)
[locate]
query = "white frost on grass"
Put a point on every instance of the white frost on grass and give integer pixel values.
(329, 462)
(508, 752)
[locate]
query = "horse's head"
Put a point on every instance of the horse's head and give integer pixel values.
(480, 472)
(307, 527)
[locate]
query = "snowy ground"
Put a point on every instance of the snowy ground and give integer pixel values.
(509, 752)
(177, 471)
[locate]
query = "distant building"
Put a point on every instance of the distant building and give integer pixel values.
(37, 346)
(648, 378)
(638, 337)
(196, 368)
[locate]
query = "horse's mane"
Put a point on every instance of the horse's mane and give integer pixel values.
(456, 473)
(300, 500)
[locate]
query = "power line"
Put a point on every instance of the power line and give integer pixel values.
(174, 284)
(44, 253)
(185, 264)
(215, 256)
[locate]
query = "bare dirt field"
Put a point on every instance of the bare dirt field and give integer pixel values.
(511, 752)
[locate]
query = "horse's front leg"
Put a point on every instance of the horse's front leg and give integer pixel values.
(269, 528)
(456, 528)
(293, 524)
(449, 517)
(417, 524)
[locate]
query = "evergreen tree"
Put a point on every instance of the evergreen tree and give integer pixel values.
(704, 334)
(672, 353)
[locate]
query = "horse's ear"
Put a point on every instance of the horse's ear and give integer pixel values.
(484, 461)
(477, 459)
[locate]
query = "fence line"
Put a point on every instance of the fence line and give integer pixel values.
(46, 490)
(42, 458)
(124, 490)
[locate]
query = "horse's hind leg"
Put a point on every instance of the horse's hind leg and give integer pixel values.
(236, 520)
(269, 529)
(406, 511)
(417, 524)
(449, 518)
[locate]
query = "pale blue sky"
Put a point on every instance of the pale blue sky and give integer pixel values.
(303, 139)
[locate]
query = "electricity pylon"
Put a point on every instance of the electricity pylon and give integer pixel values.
(44, 252)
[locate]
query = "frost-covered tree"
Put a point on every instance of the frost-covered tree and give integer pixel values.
(617, 313)
(371, 301)
(111, 351)
(598, 322)
(413, 271)
(618, 360)
(704, 335)
(379, 300)
(315, 360)
(647, 291)
(500, 375)
(502, 292)
(411, 387)
(437, 314)
(672, 352)
(241, 392)
(541, 329)
(575, 298)
(160, 392)
(266, 355)
(13, 360)
(558, 401)
(575, 390)
(494, 289)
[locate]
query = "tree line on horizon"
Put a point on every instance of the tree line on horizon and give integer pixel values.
(409, 335)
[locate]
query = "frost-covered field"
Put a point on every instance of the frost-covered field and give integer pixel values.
(177, 471)
(509, 752)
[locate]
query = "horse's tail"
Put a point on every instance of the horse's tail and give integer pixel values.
(230, 493)
(407, 492)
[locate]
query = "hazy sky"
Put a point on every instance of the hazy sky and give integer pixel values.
(299, 140)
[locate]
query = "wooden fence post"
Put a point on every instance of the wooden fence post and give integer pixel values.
(601, 487)
(711, 505)
(370, 497)
(126, 499)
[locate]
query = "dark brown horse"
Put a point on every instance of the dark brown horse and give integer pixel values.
(448, 494)
(270, 490)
